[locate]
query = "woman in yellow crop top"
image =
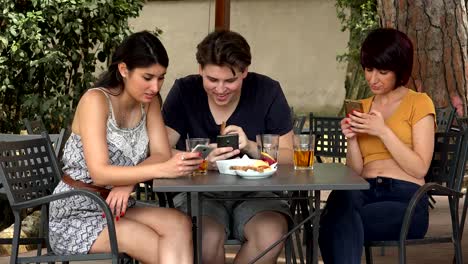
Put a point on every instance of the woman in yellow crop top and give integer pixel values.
(390, 145)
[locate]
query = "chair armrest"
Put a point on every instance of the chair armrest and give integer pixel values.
(431, 186)
(93, 196)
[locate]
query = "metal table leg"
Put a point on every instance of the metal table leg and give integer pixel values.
(315, 227)
(196, 214)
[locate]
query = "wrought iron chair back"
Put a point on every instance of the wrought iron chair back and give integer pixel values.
(29, 171)
(36, 127)
(443, 179)
(447, 152)
(444, 118)
(330, 141)
(462, 123)
(298, 123)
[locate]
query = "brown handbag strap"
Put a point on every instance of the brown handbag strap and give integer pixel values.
(86, 186)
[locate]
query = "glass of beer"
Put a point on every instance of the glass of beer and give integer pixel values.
(190, 144)
(304, 151)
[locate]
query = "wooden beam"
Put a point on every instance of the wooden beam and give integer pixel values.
(222, 14)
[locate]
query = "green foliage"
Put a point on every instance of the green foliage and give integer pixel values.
(358, 17)
(49, 52)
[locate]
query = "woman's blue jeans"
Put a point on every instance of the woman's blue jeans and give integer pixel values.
(352, 217)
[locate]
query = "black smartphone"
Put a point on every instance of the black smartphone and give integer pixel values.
(229, 140)
(203, 149)
(353, 105)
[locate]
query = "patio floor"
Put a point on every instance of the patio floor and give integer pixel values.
(436, 253)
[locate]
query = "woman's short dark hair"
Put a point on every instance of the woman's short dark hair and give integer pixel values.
(139, 50)
(388, 49)
(224, 48)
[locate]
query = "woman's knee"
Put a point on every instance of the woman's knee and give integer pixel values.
(132, 235)
(180, 222)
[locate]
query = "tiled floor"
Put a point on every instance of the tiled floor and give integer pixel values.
(436, 253)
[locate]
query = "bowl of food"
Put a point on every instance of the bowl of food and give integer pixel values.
(256, 169)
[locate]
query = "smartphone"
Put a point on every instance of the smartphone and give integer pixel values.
(353, 105)
(229, 140)
(203, 149)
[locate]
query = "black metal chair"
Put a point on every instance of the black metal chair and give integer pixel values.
(298, 123)
(330, 141)
(444, 118)
(462, 123)
(444, 178)
(59, 140)
(29, 172)
(330, 144)
(36, 127)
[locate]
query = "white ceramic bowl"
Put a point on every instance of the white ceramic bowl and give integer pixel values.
(223, 165)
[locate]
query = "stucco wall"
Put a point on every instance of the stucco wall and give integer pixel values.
(292, 41)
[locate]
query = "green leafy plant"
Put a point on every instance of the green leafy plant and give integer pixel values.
(49, 53)
(358, 17)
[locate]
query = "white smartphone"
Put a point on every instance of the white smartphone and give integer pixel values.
(203, 149)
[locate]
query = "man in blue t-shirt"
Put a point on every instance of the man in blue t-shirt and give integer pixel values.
(250, 104)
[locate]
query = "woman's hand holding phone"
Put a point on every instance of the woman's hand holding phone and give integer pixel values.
(182, 164)
(372, 123)
(353, 105)
(204, 150)
(347, 129)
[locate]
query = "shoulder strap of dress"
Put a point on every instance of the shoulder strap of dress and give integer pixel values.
(111, 110)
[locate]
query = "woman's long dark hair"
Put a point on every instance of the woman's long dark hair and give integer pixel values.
(139, 50)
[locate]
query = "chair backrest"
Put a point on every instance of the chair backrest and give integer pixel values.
(445, 165)
(36, 127)
(330, 141)
(28, 168)
(462, 160)
(298, 123)
(444, 118)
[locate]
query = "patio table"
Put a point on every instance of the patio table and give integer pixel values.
(325, 176)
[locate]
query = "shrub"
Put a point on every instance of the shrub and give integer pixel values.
(358, 17)
(49, 52)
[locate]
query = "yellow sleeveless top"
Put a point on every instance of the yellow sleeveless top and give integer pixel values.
(413, 107)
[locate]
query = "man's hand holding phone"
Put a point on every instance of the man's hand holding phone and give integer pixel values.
(228, 140)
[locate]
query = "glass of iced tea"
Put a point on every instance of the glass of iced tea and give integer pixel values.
(191, 143)
(304, 145)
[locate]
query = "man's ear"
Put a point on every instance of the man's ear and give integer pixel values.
(245, 72)
(200, 69)
(123, 69)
